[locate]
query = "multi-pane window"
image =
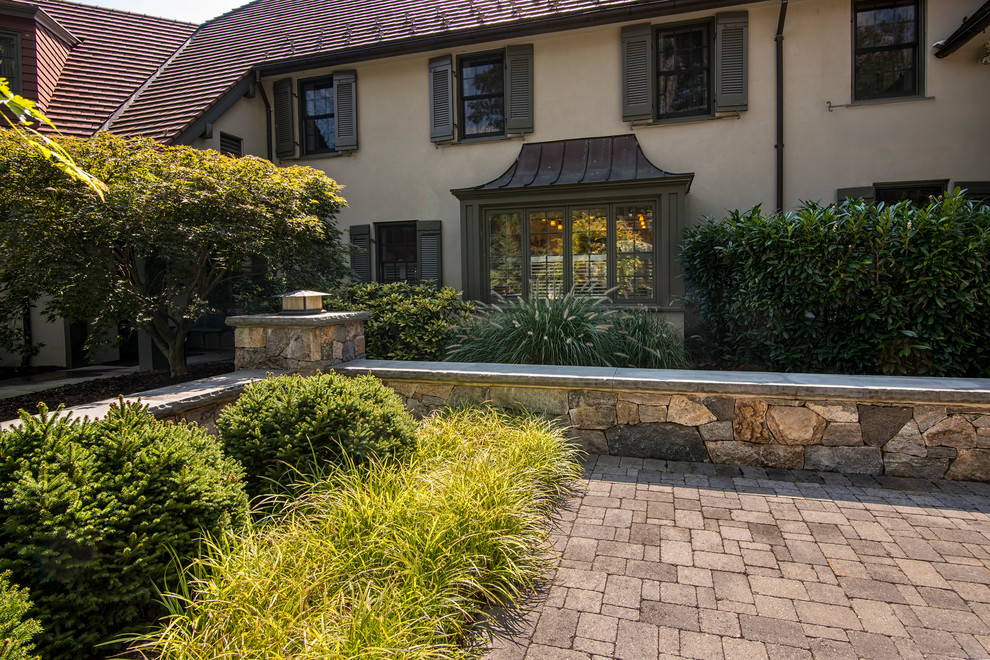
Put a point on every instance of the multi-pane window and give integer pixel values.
(397, 254)
(684, 71)
(887, 57)
(10, 61)
(482, 95)
(917, 193)
(316, 104)
(592, 249)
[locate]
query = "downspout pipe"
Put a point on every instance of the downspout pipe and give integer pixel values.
(268, 119)
(779, 38)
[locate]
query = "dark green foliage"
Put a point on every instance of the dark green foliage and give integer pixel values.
(284, 429)
(16, 632)
(568, 331)
(408, 321)
(92, 512)
(853, 288)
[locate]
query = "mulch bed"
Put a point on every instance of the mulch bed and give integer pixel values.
(106, 388)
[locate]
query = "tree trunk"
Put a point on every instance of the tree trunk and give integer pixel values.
(28, 349)
(176, 353)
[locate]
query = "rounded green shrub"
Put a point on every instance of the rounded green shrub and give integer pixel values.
(286, 428)
(16, 631)
(408, 321)
(92, 513)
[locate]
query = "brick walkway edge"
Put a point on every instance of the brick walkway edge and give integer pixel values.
(682, 560)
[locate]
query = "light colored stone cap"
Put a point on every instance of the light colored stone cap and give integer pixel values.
(887, 389)
(175, 398)
(296, 321)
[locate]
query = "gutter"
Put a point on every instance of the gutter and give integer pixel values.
(779, 38)
(268, 118)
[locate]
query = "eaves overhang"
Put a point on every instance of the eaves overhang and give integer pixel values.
(28, 10)
(510, 30)
(971, 26)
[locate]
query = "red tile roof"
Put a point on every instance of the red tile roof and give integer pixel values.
(119, 51)
(282, 35)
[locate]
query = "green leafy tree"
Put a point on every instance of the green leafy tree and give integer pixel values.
(176, 228)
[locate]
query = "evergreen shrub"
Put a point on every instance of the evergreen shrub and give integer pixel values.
(92, 513)
(286, 428)
(16, 631)
(571, 330)
(851, 288)
(408, 321)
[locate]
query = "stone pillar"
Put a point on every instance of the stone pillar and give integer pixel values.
(302, 343)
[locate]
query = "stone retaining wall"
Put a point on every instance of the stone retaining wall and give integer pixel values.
(865, 425)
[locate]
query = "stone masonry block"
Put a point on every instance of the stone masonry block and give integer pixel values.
(971, 465)
(749, 422)
(664, 441)
(785, 457)
(535, 399)
(599, 398)
(881, 423)
(907, 441)
(723, 407)
(626, 413)
(835, 411)
(716, 431)
(952, 432)
(652, 413)
(593, 417)
(903, 465)
(848, 460)
(929, 416)
(842, 434)
(795, 426)
(593, 442)
(687, 412)
(645, 398)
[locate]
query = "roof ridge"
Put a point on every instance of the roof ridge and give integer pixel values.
(147, 83)
(111, 9)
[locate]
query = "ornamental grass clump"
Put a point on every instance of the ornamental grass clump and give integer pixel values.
(93, 513)
(391, 561)
(571, 330)
(286, 429)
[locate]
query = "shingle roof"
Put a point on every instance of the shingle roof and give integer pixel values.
(615, 159)
(280, 35)
(118, 52)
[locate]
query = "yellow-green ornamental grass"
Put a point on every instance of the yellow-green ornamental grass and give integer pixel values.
(387, 561)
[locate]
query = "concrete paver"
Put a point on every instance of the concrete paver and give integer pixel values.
(680, 560)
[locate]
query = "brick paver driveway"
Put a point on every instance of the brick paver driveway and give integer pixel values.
(698, 561)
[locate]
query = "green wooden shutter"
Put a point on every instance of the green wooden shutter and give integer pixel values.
(345, 110)
(285, 130)
(868, 193)
(428, 250)
(519, 88)
(731, 48)
(361, 251)
(441, 98)
(638, 79)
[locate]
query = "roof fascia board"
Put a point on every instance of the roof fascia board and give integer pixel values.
(56, 28)
(194, 129)
(637, 11)
(18, 9)
(108, 124)
(978, 22)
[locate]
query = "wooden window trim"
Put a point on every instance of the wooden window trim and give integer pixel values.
(919, 57)
(303, 117)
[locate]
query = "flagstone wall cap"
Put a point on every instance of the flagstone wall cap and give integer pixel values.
(296, 321)
(743, 383)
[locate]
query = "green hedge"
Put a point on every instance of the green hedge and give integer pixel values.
(850, 288)
(408, 321)
(92, 513)
(279, 427)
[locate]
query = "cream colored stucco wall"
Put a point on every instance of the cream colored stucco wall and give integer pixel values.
(246, 120)
(398, 174)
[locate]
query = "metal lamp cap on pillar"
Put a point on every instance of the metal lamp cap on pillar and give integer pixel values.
(302, 302)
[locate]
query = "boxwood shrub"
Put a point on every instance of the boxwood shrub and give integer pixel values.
(408, 321)
(285, 429)
(16, 631)
(93, 512)
(851, 288)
